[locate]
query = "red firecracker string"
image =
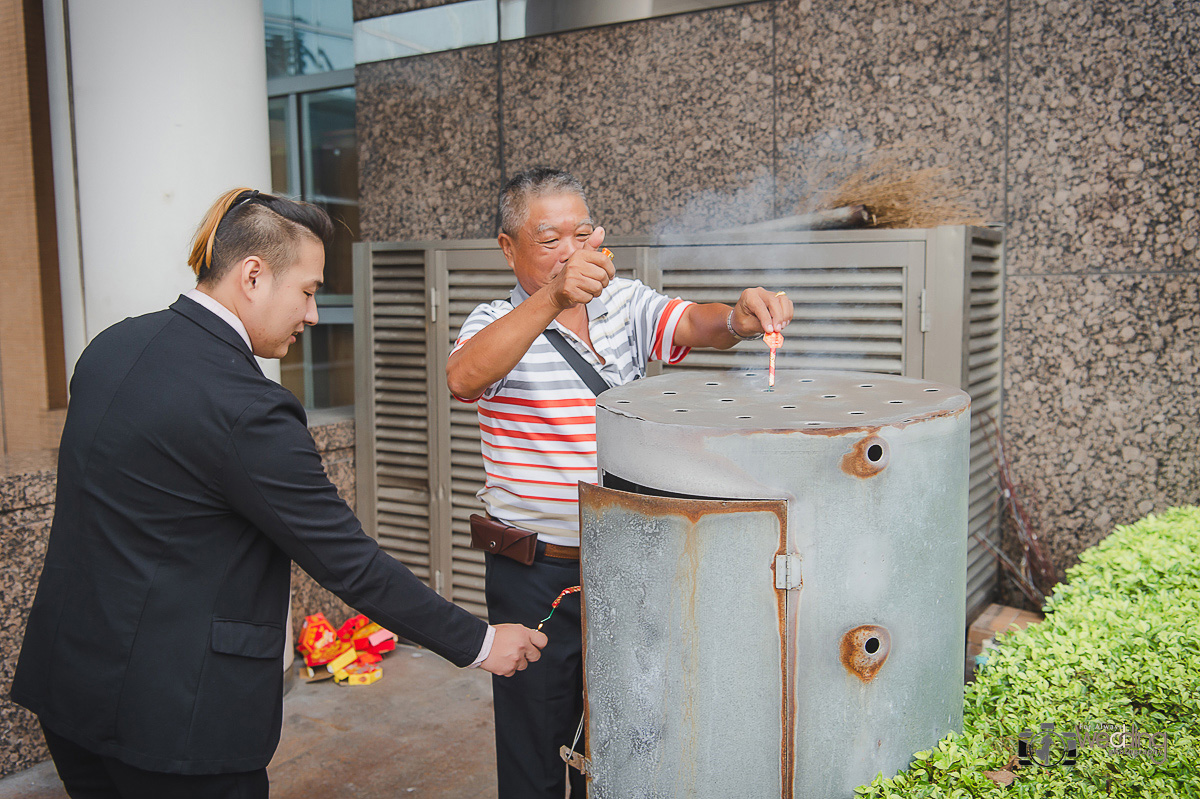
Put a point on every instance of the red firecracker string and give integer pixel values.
(774, 341)
(575, 589)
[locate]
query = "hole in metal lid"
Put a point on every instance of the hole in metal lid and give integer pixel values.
(872, 646)
(745, 417)
(681, 410)
(874, 453)
(711, 383)
(829, 396)
(895, 402)
(806, 380)
(788, 407)
(866, 385)
(856, 413)
(669, 393)
(933, 389)
(751, 374)
(812, 424)
(622, 402)
(726, 399)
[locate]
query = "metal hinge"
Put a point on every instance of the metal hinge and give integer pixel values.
(575, 760)
(433, 304)
(439, 582)
(924, 314)
(787, 572)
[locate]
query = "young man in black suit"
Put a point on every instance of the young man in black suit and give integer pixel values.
(187, 483)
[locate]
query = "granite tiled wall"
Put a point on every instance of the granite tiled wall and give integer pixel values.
(335, 442)
(26, 508)
(625, 107)
(862, 74)
(428, 146)
(1101, 385)
(27, 489)
(366, 9)
(1102, 392)
(1075, 124)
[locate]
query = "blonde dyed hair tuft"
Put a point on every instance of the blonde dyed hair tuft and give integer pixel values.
(244, 222)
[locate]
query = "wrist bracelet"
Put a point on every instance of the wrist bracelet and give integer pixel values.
(734, 333)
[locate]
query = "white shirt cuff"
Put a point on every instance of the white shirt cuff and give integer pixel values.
(486, 649)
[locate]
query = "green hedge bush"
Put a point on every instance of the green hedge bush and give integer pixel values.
(1120, 645)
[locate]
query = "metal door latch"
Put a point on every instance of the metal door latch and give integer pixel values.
(575, 760)
(787, 572)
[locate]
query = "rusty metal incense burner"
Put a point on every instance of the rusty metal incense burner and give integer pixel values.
(774, 582)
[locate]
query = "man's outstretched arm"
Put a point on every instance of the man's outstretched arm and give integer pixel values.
(757, 311)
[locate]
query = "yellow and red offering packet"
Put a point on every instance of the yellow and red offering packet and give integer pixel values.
(319, 642)
(352, 626)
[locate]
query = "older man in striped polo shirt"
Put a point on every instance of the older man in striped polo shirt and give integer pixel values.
(538, 422)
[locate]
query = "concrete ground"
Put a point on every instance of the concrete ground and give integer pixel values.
(424, 730)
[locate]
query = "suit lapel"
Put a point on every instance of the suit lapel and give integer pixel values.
(214, 325)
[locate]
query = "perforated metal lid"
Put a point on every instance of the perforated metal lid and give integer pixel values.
(801, 400)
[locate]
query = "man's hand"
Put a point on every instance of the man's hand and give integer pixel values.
(583, 276)
(757, 311)
(513, 649)
(760, 311)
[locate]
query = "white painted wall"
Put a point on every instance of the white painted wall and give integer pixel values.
(169, 107)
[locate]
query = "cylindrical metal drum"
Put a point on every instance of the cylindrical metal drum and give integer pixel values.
(774, 582)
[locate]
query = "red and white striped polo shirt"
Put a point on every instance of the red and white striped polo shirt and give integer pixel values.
(538, 423)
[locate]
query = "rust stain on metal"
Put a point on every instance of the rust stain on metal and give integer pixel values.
(787, 660)
(587, 708)
(685, 586)
(925, 417)
(865, 649)
(868, 457)
(598, 500)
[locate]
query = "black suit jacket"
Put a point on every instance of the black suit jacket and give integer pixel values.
(187, 482)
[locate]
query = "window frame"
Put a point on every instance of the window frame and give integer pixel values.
(334, 309)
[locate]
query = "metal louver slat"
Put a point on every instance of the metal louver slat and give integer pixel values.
(859, 289)
(400, 427)
(984, 323)
(472, 279)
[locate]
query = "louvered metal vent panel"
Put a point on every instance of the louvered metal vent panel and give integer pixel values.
(850, 301)
(469, 284)
(401, 435)
(982, 340)
(859, 306)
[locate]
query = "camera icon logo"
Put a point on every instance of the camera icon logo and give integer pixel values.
(1047, 748)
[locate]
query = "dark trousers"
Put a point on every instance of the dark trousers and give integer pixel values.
(87, 775)
(538, 710)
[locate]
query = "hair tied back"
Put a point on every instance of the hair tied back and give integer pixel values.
(200, 258)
